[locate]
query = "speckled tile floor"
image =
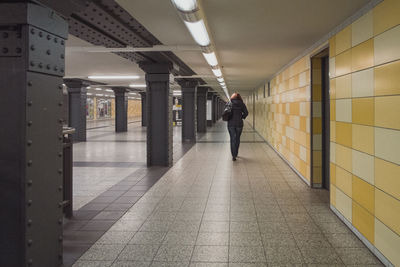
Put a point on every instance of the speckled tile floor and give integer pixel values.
(209, 211)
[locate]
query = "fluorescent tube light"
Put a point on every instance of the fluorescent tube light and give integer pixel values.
(185, 5)
(217, 72)
(211, 58)
(114, 77)
(109, 90)
(199, 32)
(98, 89)
(222, 84)
(89, 94)
(137, 85)
(99, 94)
(220, 79)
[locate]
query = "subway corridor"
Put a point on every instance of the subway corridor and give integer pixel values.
(209, 211)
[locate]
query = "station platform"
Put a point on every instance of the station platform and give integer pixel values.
(205, 210)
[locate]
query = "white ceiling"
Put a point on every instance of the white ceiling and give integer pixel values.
(84, 64)
(253, 38)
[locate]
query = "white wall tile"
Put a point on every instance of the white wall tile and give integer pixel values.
(363, 83)
(387, 144)
(362, 29)
(387, 46)
(363, 166)
(343, 110)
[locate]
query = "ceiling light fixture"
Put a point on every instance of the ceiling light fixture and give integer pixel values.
(217, 72)
(185, 5)
(114, 77)
(193, 18)
(109, 90)
(199, 32)
(137, 85)
(98, 89)
(211, 59)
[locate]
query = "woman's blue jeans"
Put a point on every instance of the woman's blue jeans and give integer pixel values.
(235, 133)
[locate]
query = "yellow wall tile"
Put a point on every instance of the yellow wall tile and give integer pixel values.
(363, 138)
(364, 194)
(332, 46)
(362, 55)
(387, 210)
(332, 89)
(332, 170)
(332, 131)
(343, 133)
(343, 110)
(362, 83)
(343, 40)
(343, 63)
(387, 79)
(343, 157)
(344, 204)
(343, 86)
(363, 111)
(386, 15)
(332, 67)
(344, 181)
(363, 166)
(332, 152)
(364, 222)
(387, 242)
(387, 111)
(362, 29)
(387, 145)
(333, 195)
(333, 110)
(387, 177)
(386, 46)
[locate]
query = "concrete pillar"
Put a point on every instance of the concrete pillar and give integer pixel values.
(189, 103)
(144, 118)
(77, 97)
(31, 148)
(210, 96)
(202, 109)
(121, 109)
(159, 113)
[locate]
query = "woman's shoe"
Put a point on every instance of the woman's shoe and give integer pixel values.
(234, 159)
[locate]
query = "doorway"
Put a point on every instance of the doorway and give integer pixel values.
(320, 122)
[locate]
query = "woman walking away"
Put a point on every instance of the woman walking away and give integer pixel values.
(235, 122)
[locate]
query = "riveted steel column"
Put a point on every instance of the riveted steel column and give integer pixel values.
(189, 103)
(31, 69)
(144, 118)
(202, 109)
(77, 97)
(121, 109)
(159, 113)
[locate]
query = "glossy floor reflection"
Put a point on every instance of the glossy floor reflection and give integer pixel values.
(209, 211)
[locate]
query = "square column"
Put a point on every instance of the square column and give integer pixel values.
(77, 97)
(210, 109)
(189, 103)
(31, 148)
(214, 108)
(121, 109)
(144, 113)
(159, 113)
(202, 109)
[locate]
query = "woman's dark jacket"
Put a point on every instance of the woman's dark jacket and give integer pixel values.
(239, 112)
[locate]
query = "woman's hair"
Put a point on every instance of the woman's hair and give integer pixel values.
(236, 96)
